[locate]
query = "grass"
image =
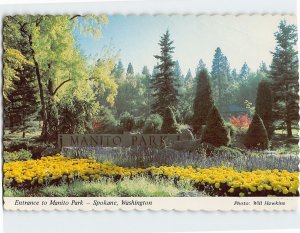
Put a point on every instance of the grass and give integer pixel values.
(137, 187)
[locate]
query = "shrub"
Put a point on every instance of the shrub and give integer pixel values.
(20, 155)
(257, 136)
(240, 121)
(127, 121)
(140, 123)
(16, 145)
(263, 105)
(215, 132)
(105, 122)
(203, 101)
(231, 129)
(169, 125)
(227, 151)
(153, 124)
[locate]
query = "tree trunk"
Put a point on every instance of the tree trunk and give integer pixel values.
(288, 121)
(41, 91)
(289, 128)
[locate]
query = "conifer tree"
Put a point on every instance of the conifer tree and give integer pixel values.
(146, 72)
(263, 67)
(263, 105)
(201, 65)
(23, 102)
(220, 77)
(257, 136)
(203, 101)
(284, 73)
(119, 71)
(215, 132)
(169, 125)
(189, 76)
(245, 71)
(130, 70)
(165, 87)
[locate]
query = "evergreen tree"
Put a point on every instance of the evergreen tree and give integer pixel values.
(263, 67)
(130, 70)
(165, 87)
(257, 136)
(263, 105)
(220, 76)
(177, 71)
(146, 72)
(215, 132)
(234, 75)
(169, 125)
(203, 101)
(23, 101)
(146, 81)
(188, 77)
(201, 65)
(119, 71)
(245, 71)
(284, 73)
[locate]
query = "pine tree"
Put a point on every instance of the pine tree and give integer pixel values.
(188, 76)
(245, 71)
(178, 76)
(215, 132)
(23, 101)
(220, 76)
(263, 105)
(234, 75)
(177, 71)
(119, 71)
(169, 125)
(146, 81)
(130, 70)
(146, 72)
(263, 67)
(257, 136)
(203, 101)
(165, 87)
(201, 65)
(284, 73)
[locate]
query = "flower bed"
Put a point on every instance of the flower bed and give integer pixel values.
(220, 181)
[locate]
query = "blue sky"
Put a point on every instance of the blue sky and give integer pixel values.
(242, 39)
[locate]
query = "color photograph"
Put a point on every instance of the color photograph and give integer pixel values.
(150, 106)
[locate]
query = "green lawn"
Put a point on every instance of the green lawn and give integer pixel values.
(137, 187)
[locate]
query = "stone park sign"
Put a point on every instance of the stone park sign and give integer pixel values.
(117, 140)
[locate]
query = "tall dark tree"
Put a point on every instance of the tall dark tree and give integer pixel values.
(203, 101)
(263, 105)
(130, 70)
(257, 136)
(245, 71)
(23, 101)
(284, 73)
(215, 132)
(220, 76)
(165, 89)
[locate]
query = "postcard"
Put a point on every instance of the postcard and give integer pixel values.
(150, 112)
